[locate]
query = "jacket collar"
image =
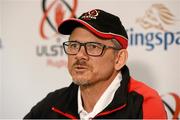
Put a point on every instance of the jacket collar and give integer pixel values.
(68, 105)
(120, 97)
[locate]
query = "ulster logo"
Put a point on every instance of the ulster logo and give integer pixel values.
(90, 15)
(173, 109)
(54, 11)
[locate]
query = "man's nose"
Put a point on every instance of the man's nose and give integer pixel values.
(82, 53)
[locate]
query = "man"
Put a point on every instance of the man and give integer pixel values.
(102, 86)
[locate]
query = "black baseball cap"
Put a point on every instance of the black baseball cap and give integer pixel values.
(101, 23)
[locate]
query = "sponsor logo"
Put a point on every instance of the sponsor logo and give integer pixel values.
(50, 47)
(157, 29)
(157, 16)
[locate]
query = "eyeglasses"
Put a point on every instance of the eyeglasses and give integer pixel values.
(91, 48)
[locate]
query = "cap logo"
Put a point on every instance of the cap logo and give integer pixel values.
(90, 15)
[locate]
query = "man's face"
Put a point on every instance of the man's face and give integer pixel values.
(89, 70)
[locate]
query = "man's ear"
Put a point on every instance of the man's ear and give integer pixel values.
(121, 58)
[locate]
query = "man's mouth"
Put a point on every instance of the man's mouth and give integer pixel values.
(80, 68)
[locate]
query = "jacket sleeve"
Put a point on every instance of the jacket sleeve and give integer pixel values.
(153, 106)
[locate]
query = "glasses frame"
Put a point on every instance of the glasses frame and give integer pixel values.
(85, 47)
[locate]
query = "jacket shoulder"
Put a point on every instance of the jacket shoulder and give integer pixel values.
(152, 103)
(141, 88)
(44, 106)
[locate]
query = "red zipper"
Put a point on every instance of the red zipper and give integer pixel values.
(100, 114)
(64, 114)
(111, 111)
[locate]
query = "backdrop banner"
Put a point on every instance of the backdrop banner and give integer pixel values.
(0, 57)
(33, 62)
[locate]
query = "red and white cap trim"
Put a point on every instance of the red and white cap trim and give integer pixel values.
(121, 39)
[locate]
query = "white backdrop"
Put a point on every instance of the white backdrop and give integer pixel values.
(0, 62)
(27, 76)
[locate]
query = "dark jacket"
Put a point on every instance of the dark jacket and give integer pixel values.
(133, 99)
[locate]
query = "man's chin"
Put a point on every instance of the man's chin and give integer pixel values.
(81, 82)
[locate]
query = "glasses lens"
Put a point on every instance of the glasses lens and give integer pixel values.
(71, 47)
(91, 48)
(94, 49)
